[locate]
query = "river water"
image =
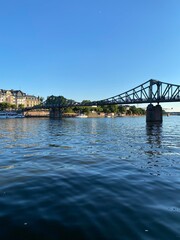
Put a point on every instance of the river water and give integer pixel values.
(109, 178)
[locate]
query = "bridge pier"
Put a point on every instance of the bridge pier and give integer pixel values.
(55, 113)
(154, 113)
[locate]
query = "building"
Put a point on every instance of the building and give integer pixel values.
(32, 101)
(2, 95)
(18, 98)
(6, 96)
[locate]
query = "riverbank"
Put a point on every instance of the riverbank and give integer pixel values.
(45, 113)
(37, 113)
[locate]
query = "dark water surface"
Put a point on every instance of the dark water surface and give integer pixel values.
(89, 179)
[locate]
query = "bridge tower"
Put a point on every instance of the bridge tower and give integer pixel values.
(56, 112)
(154, 113)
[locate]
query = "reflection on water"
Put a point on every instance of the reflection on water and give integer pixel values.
(89, 179)
(154, 131)
(154, 135)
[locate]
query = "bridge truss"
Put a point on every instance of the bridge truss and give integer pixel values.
(152, 91)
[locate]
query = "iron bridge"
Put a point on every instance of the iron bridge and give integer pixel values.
(152, 91)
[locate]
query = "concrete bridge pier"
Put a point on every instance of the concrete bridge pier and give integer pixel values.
(154, 113)
(55, 113)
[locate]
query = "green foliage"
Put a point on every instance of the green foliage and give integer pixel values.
(13, 106)
(137, 111)
(5, 106)
(86, 102)
(128, 112)
(41, 99)
(122, 109)
(20, 106)
(140, 111)
(114, 108)
(98, 109)
(54, 100)
(110, 108)
(106, 109)
(58, 101)
(86, 110)
(133, 109)
(68, 110)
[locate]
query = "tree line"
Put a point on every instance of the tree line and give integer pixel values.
(7, 106)
(114, 108)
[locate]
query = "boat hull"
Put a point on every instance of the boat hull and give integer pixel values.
(5, 115)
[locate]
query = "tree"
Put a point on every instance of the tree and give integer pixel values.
(86, 110)
(4, 106)
(98, 109)
(58, 101)
(122, 109)
(41, 99)
(114, 108)
(128, 112)
(106, 109)
(133, 109)
(21, 106)
(13, 106)
(69, 110)
(85, 102)
(140, 111)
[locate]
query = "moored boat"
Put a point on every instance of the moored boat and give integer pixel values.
(82, 116)
(8, 114)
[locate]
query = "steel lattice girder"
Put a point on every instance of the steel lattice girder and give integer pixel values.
(152, 91)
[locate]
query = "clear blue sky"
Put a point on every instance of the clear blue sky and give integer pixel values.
(88, 49)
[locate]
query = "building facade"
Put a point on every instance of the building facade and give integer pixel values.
(32, 101)
(18, 98)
